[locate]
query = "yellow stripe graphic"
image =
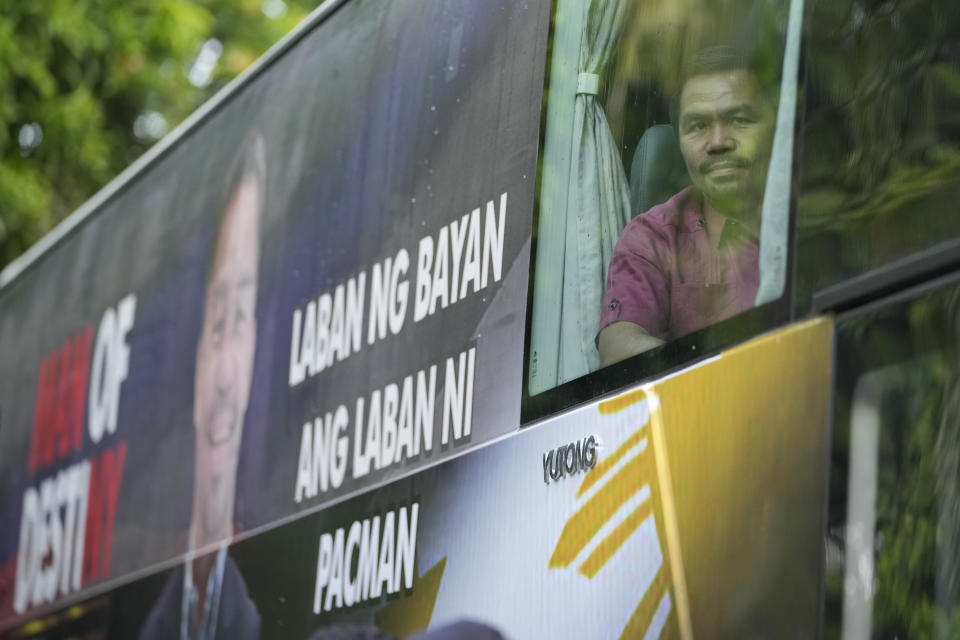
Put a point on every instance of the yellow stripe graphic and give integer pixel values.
(413, 611)
(608, 463)
(642, 616)
(622, 402)
(586, 523)
(615, 540)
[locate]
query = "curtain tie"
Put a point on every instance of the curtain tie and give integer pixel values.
(588, 83)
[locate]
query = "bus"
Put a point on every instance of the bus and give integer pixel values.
(503, 319)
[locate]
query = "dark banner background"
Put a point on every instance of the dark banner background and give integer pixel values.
(386, 122)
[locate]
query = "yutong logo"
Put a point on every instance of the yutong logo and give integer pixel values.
(569, 459)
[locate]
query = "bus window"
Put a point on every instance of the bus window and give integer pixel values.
(665, 180)
(893, 530)
(881, 145)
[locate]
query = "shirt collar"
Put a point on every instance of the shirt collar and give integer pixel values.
(699, 216)
(189, 628)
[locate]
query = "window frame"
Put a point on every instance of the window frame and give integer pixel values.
(686, 350)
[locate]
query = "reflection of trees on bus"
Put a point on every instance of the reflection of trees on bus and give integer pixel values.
(915, 583)
(880, 152)
(881, 141)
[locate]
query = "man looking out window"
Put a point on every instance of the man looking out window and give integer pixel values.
(693, 260)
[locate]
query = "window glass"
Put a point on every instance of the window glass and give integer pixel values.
(665, 181)
(881, 137)
(893, 530)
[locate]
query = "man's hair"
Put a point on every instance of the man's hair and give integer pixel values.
(249, 164)
(717, 59)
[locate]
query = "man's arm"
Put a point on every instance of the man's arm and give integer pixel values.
(620, 340)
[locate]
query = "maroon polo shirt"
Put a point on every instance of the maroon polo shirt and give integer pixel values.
(672, 277)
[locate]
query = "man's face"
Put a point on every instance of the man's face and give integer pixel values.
(224, 364)
(725, 128)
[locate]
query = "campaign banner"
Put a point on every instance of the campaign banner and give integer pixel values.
(319, 288)
(687, 507)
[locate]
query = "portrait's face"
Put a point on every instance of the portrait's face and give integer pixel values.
(725, 130)
(224, 364)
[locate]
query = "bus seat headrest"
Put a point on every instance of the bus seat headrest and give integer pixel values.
(658, 171)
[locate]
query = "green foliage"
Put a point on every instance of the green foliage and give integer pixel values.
(84, 70)
(881, 137)
(913, 351)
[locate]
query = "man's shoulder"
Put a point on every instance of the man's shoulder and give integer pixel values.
(664, 221)
(239, 615)
(164, 616)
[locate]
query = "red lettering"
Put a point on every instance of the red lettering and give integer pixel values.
(39, 408)
(106, 475)
(78, 384)
(61, 402)
(41, 445)
(60, 433)
(91, 541)
(113, 474)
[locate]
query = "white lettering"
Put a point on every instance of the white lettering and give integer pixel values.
(399, 291)
(308, 348)
(330, 328)
(385, 563)
(52, 534)
(440, 284)
(324, 557)
(361, 466)
(493, 241)
(406, 547)
(298, 368)
(458, 397)
(111, 364)
(354, 320)
(458, 234)
(367, 562)
(379, 300)
(387, 552)
(351, 589)
(471, 260)
(422, 297)
(323, 348)
(335, 583)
